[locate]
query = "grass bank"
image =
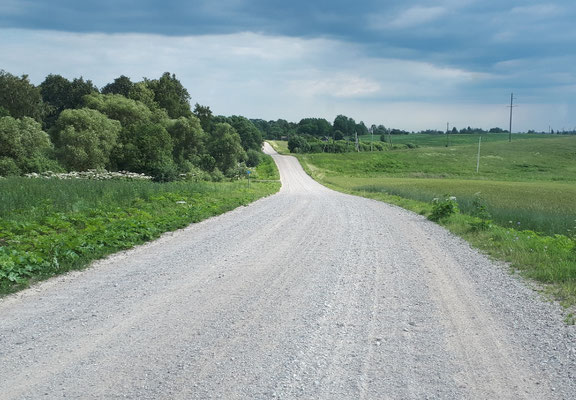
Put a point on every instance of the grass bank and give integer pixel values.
(527, 187)
(281, 146)
(48, 227)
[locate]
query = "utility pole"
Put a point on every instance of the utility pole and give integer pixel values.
(447, 130)
(478, 158)
(511, 107)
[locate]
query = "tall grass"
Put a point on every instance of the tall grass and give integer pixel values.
(51, 226)
(545, 207)
(425, 140)
(25, 198)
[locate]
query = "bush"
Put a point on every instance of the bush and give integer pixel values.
(298, 144)
(163, 171)
(254, 158)
(8, 167)
(443, 208)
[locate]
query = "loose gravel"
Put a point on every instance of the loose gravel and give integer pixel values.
(307, 294)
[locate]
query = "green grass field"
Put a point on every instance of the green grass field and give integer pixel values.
(425, 140)
(528, 187)
(50, 226)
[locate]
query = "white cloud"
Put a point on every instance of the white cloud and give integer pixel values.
(538, 11)
(262, 76)
(340, 85)
(409, 18)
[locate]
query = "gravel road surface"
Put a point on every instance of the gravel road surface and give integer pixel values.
(307, 294)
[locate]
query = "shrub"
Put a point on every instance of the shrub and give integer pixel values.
(254, 158)
(443, 208)
(298, 144)
(8, 167)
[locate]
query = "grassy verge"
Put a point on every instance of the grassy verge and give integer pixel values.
(266, 170)
(281, 146)
(547, 256)
(545, 207)
(48, 227)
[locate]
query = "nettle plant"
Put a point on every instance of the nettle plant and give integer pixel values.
(443, 207)
(483, 218)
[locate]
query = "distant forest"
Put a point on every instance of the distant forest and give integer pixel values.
(149, 127)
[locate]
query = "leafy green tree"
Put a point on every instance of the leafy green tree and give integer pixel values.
(27, 146)
(253, 158)
(171, 95)
(20, 97)
(188, 138)
(275, 129)
(341, 124)
(121, 85)
(497, 130)
(205, 115)
(378, 130)
(60, 94)
(225, 146)
(85, 138)
(147, 148)
(250, 136)
(4, 112)
(263, 126)
(361, 128)
(338, 135)
(348, 126)
(122, 109)
(318, 127)
(298, 144)
(142, 93)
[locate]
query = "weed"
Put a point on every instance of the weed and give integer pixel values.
(483, 219)
(443, 208)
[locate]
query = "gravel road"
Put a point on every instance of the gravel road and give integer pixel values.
(307, 294)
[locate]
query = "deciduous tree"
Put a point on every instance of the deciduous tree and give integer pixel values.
(171, 95)
(85, 138)
(20, 97)
(25, 143)
(224, 145)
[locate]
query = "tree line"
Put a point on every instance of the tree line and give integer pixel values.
(150, 127)
(145, 127)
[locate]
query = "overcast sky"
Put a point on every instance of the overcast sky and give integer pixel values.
(404, 64)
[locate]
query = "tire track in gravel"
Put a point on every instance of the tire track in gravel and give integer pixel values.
(307, 294)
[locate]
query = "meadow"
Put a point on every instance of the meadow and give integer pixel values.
(526, 188)
(426, 140)
(50, 226)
